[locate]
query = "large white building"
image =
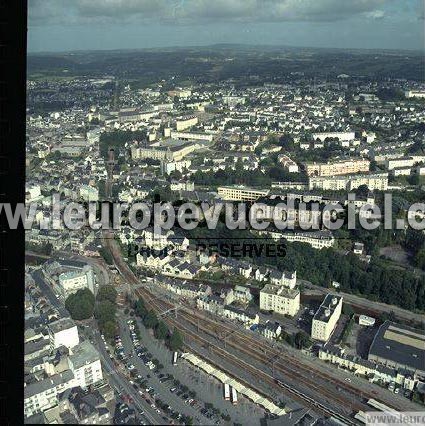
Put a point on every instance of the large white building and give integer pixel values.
(377, 181)
(326, 318)
(280, 299)
(63, 332)
(342, 136)
(342, 167)
(184, 123)
(401, 162)
(316, 239)
(240, 193)
(415, 94)
(42, 395)
(71, 282)
(180, 166)
(84, 362)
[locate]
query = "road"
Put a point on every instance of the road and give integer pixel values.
(47, 291)
(119, 381)
(163, 389)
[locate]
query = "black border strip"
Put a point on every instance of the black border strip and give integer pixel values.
(13, 40)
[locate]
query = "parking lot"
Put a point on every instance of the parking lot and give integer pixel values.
(190, 381)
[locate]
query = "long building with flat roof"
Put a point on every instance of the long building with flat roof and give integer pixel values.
(398, 346)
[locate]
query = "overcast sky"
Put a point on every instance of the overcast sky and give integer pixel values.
(63, 25)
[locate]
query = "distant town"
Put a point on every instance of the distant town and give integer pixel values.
(224, 326)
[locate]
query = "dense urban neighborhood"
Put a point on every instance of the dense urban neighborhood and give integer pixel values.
(288, 325)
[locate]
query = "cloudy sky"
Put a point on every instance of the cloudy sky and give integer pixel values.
(63, 25)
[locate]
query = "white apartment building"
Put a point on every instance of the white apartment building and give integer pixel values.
(316, 239)
(84, 362)
(240, 193)
(334, 168)
(326, 318)
(180, 166)
(180, 93)
(191, 136)
(32, 193)
(71, 282)
(377, 181)
(342, 136)
(42, 395)
(168, 154)
(415, 94)
(63, 332)
(280, 299)
(402, 162)
(184, 123)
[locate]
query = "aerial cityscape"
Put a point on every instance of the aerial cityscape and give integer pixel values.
(224, 234)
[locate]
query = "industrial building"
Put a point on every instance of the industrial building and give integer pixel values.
(398, 346)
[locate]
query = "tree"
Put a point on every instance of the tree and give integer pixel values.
(140, 308)
(109, 328)
(161, 331)
(150, 320)
(302, 340)
(80, 305)
(414, 179)
(106, 254)
(347, 310)
(107, 292)
(104, 311)
(419, 259)
(362, 191)
(176, 340)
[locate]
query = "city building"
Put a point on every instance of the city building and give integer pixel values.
(399, 346)
(415, 94)
(43, 394)
(326, 317)
(376, 181)
(89, 193)
(169, 153)
(370, 370)
(63, 332)
(316, 239)
(240, 193)
(342, 136)
(184, 123)
(70, 282)
(334, 168)
(84, 362)
(280, 299)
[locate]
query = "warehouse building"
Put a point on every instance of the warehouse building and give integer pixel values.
(398, 346)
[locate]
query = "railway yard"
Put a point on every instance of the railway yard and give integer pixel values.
(236, 352)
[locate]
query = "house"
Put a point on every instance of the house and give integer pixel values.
(358, 248)
(182, 269)
(152, 260)
(211, 303)
(227, 295)
(261, 273)
(287, 279)
(188, 289)
(245, 269)
(270, 330)
(242, 294)
(240, 315)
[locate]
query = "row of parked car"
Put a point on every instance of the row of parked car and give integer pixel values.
(151, 396)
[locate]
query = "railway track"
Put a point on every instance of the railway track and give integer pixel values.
(161, 306)
(253, 348)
